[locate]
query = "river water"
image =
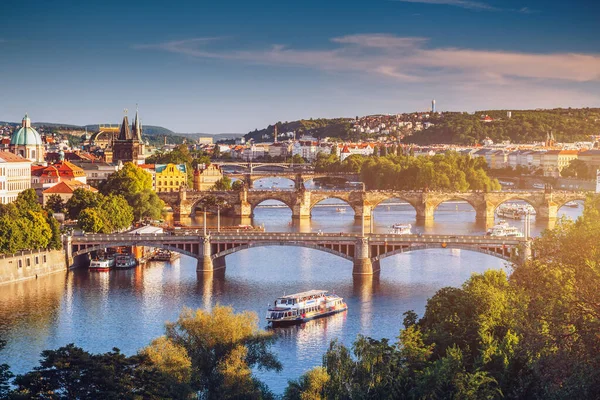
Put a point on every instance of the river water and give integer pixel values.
(127, 309)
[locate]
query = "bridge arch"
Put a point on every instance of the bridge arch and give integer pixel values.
(255, 204)
(89, 249)
(393, 196)
(517, 197)
(288, 181)
(576, 197)
(241, 247)
(465, 199)
(347, 203)
(506, 256)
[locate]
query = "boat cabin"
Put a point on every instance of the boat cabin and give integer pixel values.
(294, 299)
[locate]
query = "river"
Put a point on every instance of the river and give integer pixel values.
(127, 309)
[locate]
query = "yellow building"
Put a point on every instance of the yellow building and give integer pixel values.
(169, 177)
(205, 178)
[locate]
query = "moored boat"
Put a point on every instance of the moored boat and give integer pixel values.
(572, 204)
(99, 265)
(124, 261)
(401, 229)
(304, 306)
(341, 209)
(165, 256)
(503, 229)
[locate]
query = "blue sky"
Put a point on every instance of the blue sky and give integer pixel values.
(233, 66)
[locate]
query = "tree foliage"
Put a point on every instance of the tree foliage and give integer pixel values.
(24, 225)
(216, 351)
(135, 185)
(525, 126)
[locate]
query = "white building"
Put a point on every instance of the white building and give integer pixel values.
(15, 176)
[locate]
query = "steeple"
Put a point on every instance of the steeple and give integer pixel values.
(136, 128)
(125, 133)
(275, 134)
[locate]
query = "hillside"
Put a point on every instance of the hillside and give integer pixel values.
(335, 128)
(525, 126)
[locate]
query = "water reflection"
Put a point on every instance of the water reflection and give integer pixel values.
(127, 309)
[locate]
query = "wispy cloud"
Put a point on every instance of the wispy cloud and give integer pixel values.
(471, 5)
(406, 59)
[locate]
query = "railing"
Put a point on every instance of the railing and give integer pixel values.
(295, 236)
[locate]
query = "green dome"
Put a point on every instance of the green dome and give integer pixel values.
(26, 136)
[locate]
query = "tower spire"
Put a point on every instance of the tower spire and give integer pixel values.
(137, 126)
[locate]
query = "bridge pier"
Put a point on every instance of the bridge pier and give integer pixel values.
(301, 208)
(548, 212)
(425, 213)
(205, 263)
(485, 214)
(363, 210)
(219, 263)
(362, 260)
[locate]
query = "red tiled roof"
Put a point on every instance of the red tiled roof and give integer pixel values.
(10, 157)
(68, 187)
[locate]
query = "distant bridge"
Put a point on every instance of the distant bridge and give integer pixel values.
(365, 252)
(545, 202)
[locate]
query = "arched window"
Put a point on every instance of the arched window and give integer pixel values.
(32, 153)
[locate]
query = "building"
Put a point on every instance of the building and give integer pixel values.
(205, 140)
(280, 149)
(206, 177)
(128, 146)
(169, 177)
(591, 159)
(97, 172)
(65, 190)
(15, 176)
(44, 177)
(27, 142)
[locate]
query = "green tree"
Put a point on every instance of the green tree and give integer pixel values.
(310, 386)
(55, 203)
(26, 201)
(90, 220)
(72, 373)
(81, 200)
(135, 185)
(222, 347)
(116, 213)
(237, 185)
(223, 184)
(5, 376)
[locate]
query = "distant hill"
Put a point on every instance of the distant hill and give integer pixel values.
(215, 136)
(321, 127)
(524, 126)
(148, 129)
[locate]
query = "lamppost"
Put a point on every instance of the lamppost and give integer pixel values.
(204, 220)
(219, 218)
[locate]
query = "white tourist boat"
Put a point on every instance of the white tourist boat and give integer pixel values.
(341, 209)
(125, 261)
(503, 229)
(304, 306)
(101, 264)
(401, 229)
(572, 204)
(514, 211)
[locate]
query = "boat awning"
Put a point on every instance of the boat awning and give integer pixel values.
(304, 294)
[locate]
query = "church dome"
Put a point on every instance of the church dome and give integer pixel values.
(26, 135)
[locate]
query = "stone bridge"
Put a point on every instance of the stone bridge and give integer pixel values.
(299, 179)
(242, 204)
(365, 252)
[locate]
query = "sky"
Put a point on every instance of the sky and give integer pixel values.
(235, 66)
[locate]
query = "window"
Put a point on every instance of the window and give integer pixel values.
(37, 260)
(44, 258)
(20, 264)
(29, 262)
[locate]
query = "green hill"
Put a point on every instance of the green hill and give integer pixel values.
(524, 126)
(321, 127)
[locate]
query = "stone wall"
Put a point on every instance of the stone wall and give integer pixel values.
(30, 264)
